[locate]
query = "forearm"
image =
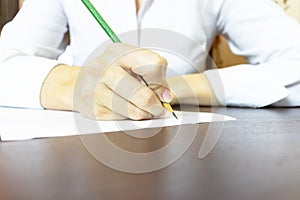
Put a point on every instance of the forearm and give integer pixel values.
(192, 89)
(58, 88)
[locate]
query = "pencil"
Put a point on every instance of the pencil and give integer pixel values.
(115, 39)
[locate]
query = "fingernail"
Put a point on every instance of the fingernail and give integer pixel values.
(167, 96)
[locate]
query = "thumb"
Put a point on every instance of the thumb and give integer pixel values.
(163, 93)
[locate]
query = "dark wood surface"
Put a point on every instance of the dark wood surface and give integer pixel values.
(257, 157)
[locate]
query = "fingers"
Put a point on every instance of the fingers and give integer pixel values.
(116, 88)
(163, 93)
(103, 113)
(143, 62)
(133, 91)
(147, 64)
(151, 67)
(119, 105)
(138, 60)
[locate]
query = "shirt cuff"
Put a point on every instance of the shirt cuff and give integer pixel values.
(21, 79)
(246, 86)
(293, 100)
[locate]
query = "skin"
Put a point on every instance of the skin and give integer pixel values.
(109, 87)
(106, 90)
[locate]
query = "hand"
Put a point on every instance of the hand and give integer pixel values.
(110, 86)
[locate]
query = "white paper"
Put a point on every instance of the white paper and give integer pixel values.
(22, 124)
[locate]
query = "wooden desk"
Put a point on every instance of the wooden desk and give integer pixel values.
(256, 158)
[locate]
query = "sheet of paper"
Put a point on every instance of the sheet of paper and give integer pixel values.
(21, 124)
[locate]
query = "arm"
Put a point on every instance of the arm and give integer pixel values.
(29, 47)
(58, 88)
(108, 86)
(261, 31)
(192, 89)
(30, 72)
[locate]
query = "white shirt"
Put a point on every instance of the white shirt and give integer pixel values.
(31, 44)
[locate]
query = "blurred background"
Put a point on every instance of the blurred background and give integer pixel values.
(220, 52)
(8, 9)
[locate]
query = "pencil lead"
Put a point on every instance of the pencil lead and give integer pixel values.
(174, 115)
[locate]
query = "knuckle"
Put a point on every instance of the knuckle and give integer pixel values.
(145, 97)
(156, 58)
(137, 114)
(102, 113)
(163, 61)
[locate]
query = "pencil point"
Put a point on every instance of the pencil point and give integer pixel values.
(174, 115)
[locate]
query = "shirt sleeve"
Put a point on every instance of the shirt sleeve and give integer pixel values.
(29, 47)
(262, 32)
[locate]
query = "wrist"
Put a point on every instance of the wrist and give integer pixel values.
(192, 89)
(58, 88)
